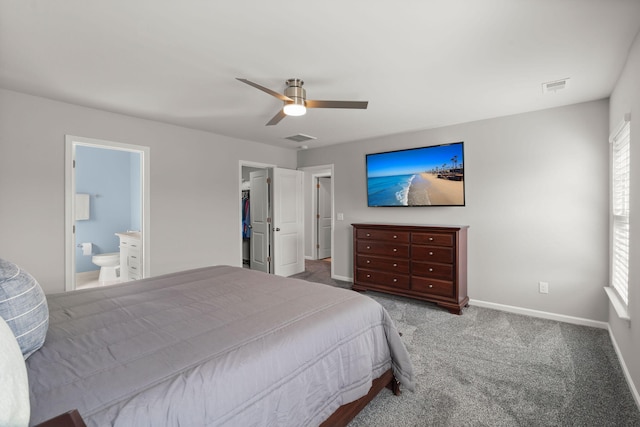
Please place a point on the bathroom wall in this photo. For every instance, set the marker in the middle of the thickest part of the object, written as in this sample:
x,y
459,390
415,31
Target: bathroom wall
x,y
112,179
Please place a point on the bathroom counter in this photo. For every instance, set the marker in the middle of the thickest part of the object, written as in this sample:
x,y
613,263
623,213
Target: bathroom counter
x,y
131,267
132,234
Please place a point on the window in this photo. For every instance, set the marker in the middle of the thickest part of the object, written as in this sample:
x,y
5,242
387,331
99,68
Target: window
x,y
620,168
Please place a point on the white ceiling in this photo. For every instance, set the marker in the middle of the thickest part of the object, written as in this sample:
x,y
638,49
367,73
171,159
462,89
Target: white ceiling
x,y
420,63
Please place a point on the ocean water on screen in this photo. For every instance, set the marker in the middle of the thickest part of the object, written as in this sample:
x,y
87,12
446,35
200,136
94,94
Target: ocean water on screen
x,y
389,190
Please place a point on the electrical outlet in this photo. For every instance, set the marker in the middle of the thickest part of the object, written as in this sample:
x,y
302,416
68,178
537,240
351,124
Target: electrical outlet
x,y
543,287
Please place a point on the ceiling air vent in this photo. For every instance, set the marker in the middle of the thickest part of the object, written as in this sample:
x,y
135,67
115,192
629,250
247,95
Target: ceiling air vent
x,y
555,85
301,137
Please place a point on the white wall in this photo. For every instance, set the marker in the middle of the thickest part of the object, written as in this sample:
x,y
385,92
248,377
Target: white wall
x,y
626,99
536,202
195,206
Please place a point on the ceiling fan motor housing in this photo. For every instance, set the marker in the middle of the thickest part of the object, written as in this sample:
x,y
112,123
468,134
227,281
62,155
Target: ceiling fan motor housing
x,y
295,91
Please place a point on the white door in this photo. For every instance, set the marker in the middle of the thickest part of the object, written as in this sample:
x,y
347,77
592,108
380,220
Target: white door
x,y
260,226
288,224
324,217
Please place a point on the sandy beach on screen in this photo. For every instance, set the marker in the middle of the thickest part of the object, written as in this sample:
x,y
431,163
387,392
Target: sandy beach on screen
x,y
428,189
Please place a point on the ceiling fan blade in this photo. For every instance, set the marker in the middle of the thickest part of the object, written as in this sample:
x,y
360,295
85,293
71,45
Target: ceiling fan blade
x,y
314,103
276,119
266,89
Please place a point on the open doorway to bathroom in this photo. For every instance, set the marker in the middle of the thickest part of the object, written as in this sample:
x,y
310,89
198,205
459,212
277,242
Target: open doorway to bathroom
x,y
106,212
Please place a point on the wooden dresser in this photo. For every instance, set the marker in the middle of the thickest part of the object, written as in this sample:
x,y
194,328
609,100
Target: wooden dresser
x,y
423,262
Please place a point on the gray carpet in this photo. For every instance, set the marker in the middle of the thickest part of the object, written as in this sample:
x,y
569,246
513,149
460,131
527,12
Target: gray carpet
x,y
492,368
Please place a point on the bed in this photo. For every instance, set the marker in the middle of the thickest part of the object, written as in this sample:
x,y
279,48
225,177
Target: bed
x,y
215,346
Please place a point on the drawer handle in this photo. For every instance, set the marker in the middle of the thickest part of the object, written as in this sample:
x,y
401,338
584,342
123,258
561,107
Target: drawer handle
x,y
395,265
133,256
431,239
368,247
395,237
431,269
132,267
368,276
395,250
368,235
368,262
430,253
430,285
395,280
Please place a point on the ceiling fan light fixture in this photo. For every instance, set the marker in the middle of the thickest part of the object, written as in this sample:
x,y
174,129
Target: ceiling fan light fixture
x,y
296,102
295,109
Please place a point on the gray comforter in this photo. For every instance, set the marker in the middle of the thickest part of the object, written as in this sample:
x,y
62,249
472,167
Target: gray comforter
x,y
221,346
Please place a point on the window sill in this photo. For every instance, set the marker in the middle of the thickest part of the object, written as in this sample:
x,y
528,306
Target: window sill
x,y
621,309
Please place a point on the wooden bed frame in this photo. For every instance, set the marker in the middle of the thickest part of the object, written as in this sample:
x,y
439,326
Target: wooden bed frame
x,y
340,418
347,412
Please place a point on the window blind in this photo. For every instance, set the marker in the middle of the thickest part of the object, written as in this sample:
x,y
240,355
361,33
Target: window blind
x,y
620,212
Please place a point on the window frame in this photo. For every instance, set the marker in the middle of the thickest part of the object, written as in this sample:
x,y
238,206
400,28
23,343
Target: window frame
x,y
619,227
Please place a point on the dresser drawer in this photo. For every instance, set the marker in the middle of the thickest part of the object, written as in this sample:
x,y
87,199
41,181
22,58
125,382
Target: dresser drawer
x,y
432,254
391,265
386,235
443,288
374,247
437,239
383,279
431,270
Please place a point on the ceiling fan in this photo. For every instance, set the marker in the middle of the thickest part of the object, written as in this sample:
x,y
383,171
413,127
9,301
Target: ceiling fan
x,y
296,102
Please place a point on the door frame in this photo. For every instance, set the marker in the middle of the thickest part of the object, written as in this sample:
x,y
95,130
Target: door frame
x,y
249,164
316,231
315,172
71,142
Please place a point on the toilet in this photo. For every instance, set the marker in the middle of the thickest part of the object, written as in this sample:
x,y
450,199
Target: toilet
x,y
109,264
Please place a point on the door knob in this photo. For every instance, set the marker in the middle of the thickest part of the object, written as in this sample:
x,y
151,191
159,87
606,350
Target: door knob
x,y
278,229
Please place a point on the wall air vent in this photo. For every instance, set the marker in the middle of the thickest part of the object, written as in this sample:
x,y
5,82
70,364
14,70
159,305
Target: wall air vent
x,y
555,85
301,137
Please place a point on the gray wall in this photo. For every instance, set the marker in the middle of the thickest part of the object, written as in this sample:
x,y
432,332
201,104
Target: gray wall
x,y
536,202
626,99
195,206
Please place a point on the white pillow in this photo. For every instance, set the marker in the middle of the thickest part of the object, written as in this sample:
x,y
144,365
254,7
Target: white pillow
x,y
14,390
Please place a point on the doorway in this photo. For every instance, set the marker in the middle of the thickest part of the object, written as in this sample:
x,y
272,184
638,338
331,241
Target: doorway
x,y
272,219
106,192
319,213
324,226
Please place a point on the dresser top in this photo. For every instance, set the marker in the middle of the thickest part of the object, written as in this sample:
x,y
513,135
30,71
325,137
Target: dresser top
x,y
406,225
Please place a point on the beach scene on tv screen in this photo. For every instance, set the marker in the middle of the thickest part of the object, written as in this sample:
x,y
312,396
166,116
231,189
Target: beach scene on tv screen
x,y
428,176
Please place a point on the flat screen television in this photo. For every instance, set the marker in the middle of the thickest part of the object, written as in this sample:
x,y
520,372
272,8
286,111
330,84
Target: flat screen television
x,y
426,176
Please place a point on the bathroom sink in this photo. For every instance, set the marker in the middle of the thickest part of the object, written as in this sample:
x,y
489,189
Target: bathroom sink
x,y
134,234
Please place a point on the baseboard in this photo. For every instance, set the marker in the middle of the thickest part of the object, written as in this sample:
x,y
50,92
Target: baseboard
x,y
627,375
343,278
540,314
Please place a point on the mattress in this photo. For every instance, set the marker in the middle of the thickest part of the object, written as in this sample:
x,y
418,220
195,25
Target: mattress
x,y
216,346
